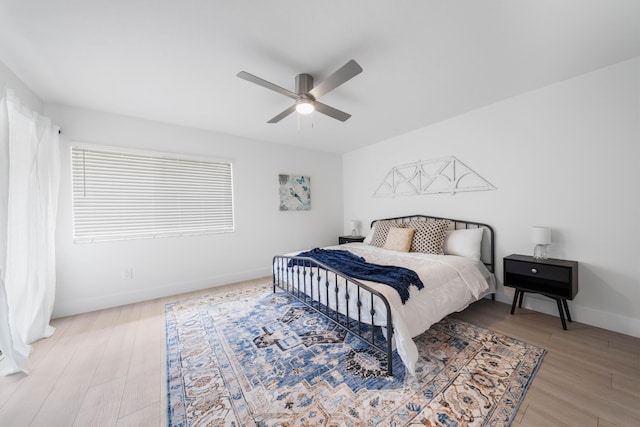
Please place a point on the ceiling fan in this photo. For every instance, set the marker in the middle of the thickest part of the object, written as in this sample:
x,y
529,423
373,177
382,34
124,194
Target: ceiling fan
x,y
306,94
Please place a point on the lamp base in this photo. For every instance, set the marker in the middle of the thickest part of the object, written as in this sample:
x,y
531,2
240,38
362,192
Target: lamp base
x,y
540,252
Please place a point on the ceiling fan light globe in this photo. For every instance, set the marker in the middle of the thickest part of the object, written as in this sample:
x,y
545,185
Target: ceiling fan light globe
x,y
305,106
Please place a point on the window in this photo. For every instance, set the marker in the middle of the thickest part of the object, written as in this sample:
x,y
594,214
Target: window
x,y
121,195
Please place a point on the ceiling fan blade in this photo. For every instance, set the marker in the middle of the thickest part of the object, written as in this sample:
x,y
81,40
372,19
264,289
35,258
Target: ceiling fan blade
x,y
284,114
346,72
331,112
257,80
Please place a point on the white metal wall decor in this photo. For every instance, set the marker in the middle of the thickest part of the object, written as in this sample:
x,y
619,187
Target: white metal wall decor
x,y
445,175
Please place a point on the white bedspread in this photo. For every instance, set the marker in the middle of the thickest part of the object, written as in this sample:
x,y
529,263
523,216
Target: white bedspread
x,y
451,283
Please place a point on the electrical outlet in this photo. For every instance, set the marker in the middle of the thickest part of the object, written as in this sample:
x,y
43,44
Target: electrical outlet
x,y
128,273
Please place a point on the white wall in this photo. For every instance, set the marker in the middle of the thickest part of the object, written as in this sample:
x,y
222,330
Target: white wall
x,y
90,275
566,156
27,96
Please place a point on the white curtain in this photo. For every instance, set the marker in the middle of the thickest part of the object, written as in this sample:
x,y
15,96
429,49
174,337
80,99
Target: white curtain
x,y
29,179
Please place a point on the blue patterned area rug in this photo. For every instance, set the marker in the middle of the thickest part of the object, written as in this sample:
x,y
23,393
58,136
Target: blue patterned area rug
x,y
251,357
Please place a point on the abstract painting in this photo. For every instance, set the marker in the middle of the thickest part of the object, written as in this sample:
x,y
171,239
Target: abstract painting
x,y
295,193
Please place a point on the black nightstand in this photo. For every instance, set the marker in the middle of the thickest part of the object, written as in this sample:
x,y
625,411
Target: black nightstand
x,y
555,278
349,239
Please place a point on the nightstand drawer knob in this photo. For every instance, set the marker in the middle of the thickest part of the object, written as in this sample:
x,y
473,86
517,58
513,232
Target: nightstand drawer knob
x,y
534,270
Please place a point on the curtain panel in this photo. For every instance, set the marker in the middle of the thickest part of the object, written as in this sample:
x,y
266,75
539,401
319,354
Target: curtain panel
x,y
29,179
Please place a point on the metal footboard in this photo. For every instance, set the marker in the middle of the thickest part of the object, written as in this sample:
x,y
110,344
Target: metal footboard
x,y
338,297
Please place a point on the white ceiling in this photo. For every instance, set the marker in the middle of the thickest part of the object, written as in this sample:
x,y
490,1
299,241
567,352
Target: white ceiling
x,y
424,61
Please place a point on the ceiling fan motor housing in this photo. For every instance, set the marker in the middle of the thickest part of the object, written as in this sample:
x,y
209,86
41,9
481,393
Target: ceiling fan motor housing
x,y
304,83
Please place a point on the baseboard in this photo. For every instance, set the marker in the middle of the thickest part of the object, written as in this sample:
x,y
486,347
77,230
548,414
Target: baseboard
x,y
84,305
589,316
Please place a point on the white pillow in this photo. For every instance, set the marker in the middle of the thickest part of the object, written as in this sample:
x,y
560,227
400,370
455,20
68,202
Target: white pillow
x,y
465,242
367,240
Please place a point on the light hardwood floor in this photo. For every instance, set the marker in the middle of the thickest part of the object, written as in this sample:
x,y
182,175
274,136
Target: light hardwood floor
x,y
107,368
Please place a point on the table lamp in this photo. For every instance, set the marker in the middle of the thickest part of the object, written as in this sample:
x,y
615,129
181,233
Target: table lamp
x,y
541,237
354,224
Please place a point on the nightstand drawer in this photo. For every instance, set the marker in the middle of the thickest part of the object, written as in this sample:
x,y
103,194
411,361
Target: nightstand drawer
x,y
538,270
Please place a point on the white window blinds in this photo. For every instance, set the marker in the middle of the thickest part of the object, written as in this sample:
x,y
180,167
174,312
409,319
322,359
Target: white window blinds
x,y
119,195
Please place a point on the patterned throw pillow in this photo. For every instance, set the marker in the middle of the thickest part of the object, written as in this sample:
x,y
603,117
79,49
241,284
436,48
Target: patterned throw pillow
x,y
380,233
399,239
429,236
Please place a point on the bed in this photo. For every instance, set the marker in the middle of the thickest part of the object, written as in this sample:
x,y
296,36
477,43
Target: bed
x,y
462,274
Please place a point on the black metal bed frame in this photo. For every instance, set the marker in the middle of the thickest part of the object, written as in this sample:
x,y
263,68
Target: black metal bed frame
x,y
308,281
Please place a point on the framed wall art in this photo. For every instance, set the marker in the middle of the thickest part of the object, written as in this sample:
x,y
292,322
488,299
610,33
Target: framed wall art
x,y
295,193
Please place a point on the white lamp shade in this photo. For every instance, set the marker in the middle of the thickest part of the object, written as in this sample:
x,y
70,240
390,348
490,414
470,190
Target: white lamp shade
x,y
354,224
541,235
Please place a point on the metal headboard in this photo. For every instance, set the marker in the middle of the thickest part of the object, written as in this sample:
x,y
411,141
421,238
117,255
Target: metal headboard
x,y
487,252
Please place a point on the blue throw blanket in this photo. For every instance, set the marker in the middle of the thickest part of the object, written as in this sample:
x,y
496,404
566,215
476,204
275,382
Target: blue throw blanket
x,y
399,278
